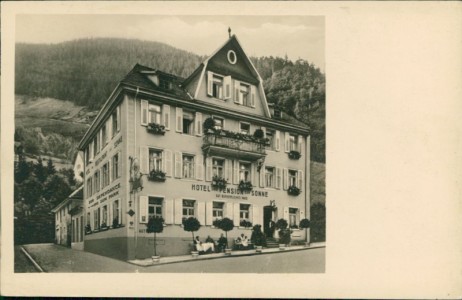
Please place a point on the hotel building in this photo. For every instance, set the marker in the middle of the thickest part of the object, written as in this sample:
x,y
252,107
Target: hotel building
x,y
164,146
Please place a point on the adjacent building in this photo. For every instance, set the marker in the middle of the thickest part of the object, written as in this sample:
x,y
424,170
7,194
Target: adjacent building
x,y
208,146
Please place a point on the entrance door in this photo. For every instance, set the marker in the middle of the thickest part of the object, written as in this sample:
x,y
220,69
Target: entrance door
x,y
267,218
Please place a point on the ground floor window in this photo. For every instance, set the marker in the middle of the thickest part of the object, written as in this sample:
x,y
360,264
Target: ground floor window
x,y
115,212
155,207
218,210
104,217
188,208
293,212
96,217
244,212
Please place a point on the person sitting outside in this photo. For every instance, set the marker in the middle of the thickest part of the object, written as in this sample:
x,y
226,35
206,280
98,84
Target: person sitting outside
x,y
244,242
222,243
198,244
238,243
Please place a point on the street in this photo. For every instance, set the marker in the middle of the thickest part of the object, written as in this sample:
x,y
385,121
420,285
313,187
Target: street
x,y
53,258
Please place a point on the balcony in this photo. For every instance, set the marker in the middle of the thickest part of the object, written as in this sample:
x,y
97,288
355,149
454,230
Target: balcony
x,y
234,145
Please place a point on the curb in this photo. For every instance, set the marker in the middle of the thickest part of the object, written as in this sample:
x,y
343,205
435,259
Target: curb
x,y
236,254
36,265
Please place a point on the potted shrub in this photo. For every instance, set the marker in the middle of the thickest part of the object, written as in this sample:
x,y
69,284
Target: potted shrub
x,y
293,190
157,175
294,154
155,225
245,186
192,224
219,182
284,233
226,225
305,224
258,238
258,134
155,128
209,125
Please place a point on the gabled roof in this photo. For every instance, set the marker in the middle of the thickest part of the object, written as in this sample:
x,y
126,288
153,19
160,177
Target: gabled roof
x,y
75,195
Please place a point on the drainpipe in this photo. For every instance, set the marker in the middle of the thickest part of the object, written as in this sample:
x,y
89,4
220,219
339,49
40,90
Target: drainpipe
x,y
135,198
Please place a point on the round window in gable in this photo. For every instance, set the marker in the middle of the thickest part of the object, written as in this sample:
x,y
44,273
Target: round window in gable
x,y
232,58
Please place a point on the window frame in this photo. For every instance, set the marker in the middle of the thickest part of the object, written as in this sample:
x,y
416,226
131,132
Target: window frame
x,y
157,150
240,127
192,171
115,166
290,176
190,126
241,211
249,164
218,85
218,209
294,215
157,114
155,206
188,208
273,176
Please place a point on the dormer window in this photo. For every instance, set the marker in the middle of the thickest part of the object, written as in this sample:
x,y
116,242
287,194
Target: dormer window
x,y
164,84
217,88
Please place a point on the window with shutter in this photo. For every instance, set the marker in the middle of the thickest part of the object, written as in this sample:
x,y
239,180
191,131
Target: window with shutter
x,y
168,162
277,145
179,119
166,112
208,169
198,126
278,178
228,88
286,142
252,96
199,167
209,83
285,178
178,164
301,180
236,91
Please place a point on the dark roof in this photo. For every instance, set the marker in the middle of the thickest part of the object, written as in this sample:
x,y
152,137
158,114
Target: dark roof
x,y
138,76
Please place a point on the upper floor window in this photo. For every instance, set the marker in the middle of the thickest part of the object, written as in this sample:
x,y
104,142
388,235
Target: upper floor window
x,y
188,122
164,83
97,181
245,128
103,135
155,160
244,95
155,207
89,187
95,145
116,121
292,177
293,142
105,175
218,167
217,87
244,171
188,208
269,177
115,166
188,166
219,123
270,136
154,113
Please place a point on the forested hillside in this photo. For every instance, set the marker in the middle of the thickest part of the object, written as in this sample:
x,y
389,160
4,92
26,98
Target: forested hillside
x,y
86,71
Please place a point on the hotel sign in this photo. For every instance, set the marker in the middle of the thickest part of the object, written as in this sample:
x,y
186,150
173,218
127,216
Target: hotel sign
x,y
229,193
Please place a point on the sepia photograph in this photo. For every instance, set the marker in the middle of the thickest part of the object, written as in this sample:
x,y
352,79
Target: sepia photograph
x,y
155,143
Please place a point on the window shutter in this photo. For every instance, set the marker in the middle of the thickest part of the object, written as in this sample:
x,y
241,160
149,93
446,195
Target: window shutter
x,y
209,213
209,83
236,91
166,111
179,119
198,126
199,160
252,95
169,211
277,147
254,174
178,211
256,219
227,86
264,131
118,118
201,212
236,172
278,178
236,211
287,141
208,169
300,143
178,165
143,209
229,211
109,128
144,160
286,213
300,179
144,112
91,151
262,176
168,161
286,179
229,170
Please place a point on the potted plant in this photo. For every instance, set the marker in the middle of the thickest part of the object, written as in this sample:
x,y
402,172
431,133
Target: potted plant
x,y
284,233
245,223
305,224
155,225
226,225
155,128
258,134
294,154
209,125
156,175
245,186
192,224
104,226
293,190
219,182
258,238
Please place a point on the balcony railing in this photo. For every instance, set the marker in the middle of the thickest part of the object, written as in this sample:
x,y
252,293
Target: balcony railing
x,y
250,148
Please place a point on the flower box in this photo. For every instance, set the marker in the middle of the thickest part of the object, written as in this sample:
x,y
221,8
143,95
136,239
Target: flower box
x,y
155,128
293,190
294,154
219,183
245,223
245,186
157,175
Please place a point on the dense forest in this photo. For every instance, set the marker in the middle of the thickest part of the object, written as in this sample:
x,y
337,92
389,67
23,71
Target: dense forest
x,y
86,71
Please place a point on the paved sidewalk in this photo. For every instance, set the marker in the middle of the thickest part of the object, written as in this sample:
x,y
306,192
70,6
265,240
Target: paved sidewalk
x,y
183,258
